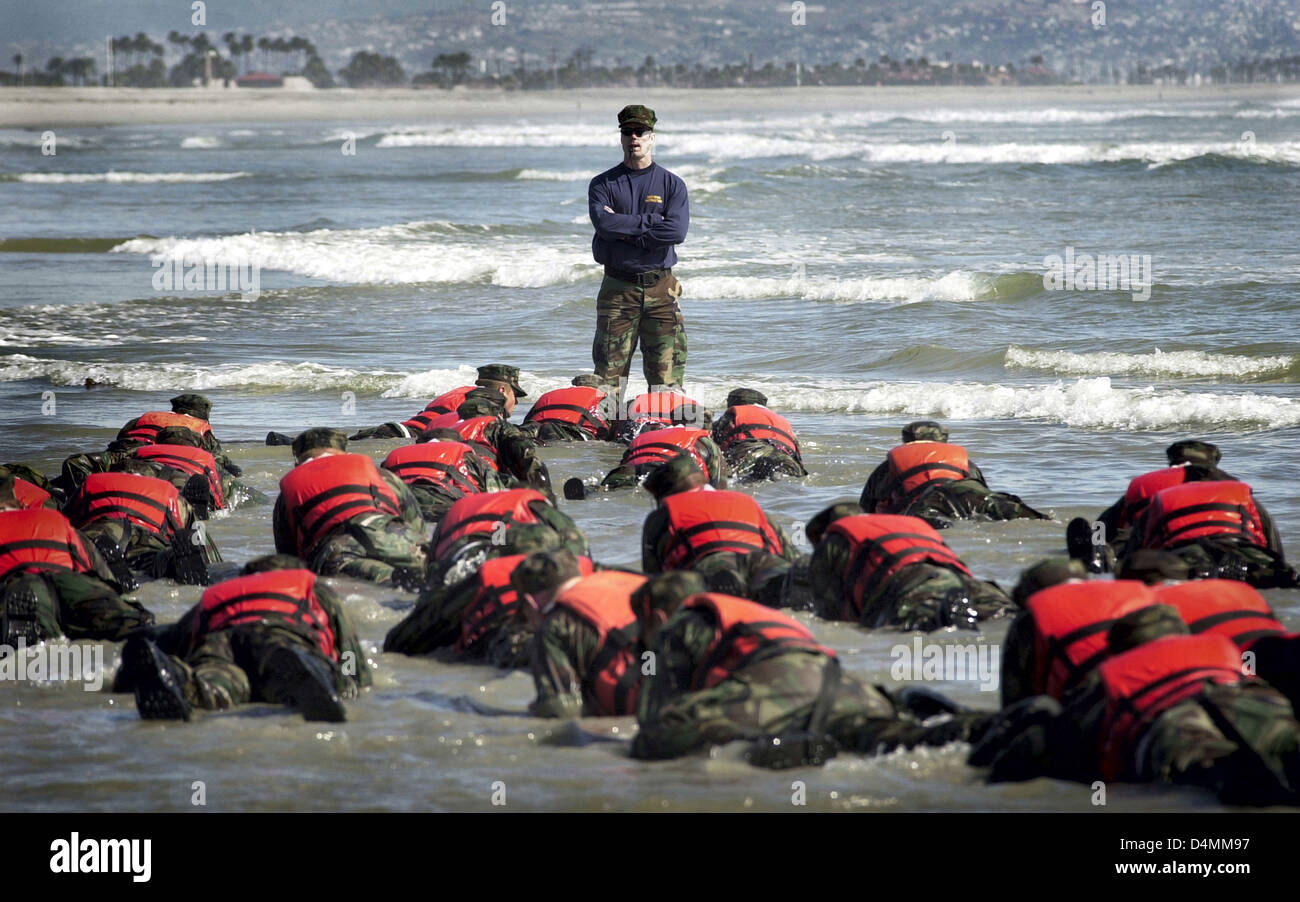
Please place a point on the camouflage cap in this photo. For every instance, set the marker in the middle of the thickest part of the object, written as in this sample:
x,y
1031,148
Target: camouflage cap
x,y
268,562
635,114
22,471
1193,452
815,528
1152,566
544,570
192,404
482,402
741,396
1046,573
587,380
675,475
499,372
924,431
178,435
1145,625
320,437
666,591
7,495
135,467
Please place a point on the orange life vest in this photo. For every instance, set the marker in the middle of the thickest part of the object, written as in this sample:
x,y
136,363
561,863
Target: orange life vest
x,y
1141,489
276,595
437,463
602,599
143,500
28,494
578,405
327,491
750,422
1224,606
147,425
471,432
881,545
662,445
1071,621
743,632
39,539
1194,510
667,407
916,466
1145,681
482,513
194,461
496,598
701,523
443,404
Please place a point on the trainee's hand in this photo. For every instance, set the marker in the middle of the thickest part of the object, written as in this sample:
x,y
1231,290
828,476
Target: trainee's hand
x,y
608,209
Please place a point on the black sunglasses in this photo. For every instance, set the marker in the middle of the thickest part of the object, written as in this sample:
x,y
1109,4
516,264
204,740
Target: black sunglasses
x,y
638,132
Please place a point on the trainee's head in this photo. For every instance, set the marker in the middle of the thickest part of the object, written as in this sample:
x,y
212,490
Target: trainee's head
x,y
924,431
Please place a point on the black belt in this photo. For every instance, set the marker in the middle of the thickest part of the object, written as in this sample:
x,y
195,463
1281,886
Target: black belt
x,y
644,279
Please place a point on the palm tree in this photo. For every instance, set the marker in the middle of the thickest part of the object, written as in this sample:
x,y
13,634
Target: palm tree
x,y
246,49
18,65
263,44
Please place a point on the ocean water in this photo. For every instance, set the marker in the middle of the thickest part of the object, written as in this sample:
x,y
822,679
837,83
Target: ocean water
x,y
861,268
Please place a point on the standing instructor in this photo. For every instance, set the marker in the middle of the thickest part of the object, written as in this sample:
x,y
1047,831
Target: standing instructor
x,y
640,212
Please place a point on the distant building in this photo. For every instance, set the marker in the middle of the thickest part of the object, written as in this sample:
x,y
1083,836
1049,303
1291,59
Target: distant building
x,y
259,80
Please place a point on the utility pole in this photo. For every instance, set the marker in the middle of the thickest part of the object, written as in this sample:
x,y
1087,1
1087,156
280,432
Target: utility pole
x,y
108,70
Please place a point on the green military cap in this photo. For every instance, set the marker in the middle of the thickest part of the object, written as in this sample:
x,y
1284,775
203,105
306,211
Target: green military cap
x,y
499,372
635,114
1193,452
7,495
1152,566
742,396
268,562
666,591
1145,625
544,570
136,467
673,476
320,437
178,435
1046,573
192,405
482,402
587,380
924,431
815,528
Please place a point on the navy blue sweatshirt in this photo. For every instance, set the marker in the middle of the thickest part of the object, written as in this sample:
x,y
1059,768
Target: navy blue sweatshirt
x,y
651,215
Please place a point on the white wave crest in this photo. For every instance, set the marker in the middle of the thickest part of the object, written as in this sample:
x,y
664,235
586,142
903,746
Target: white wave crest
x,y
200,142
1085,403
402,254
1158,364
274,374
955,286
126,177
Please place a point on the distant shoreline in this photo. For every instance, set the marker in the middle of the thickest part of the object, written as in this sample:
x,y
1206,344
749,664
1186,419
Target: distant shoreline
x,y
39,108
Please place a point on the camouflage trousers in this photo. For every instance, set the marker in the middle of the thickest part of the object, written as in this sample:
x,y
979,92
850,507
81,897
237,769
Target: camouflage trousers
x,y
39,606
434,503
146,553
927,597
371,547
968,499
232,667
755,461
1243,742
1259,567
758,576
626,313
794,693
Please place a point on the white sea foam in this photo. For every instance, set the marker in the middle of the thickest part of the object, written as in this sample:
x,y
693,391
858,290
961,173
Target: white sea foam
x,y
111,177
1085,403
1158,364
401,254
274,374
954,286
200,142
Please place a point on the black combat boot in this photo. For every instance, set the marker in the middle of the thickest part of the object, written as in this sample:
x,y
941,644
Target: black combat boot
x,y
302,680
159,683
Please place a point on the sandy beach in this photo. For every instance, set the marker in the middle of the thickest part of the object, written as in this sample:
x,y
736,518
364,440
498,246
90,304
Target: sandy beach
x,y
38,108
